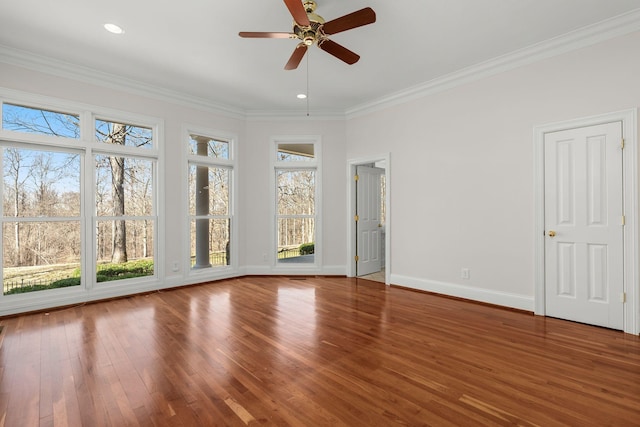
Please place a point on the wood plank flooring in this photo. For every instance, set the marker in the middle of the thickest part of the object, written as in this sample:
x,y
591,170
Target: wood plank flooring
x,y
313,352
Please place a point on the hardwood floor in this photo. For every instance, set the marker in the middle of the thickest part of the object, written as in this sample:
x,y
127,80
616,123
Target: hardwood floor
x,y
378,276
314,352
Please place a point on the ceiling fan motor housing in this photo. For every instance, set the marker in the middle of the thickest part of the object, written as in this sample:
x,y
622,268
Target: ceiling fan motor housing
x,y
309,35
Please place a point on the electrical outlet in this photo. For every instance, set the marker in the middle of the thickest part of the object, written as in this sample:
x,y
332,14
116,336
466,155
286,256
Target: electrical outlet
x,y
465,273
175,266
264,256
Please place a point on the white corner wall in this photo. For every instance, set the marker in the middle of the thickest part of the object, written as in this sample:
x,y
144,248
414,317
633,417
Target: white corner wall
x,y
256,196
462,191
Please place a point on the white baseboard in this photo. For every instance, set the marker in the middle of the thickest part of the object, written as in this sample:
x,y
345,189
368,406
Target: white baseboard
x,y
262,270
521,302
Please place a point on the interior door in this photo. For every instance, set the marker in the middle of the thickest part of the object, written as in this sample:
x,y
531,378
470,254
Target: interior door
x,y
368,224
584,225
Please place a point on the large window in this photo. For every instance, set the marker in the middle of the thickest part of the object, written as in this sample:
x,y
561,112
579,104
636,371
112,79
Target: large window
x,y
66,191
125,222
41,219
296,202
210,176
124,205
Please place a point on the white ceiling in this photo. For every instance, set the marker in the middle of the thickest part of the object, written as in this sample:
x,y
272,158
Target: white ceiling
x,y
191,47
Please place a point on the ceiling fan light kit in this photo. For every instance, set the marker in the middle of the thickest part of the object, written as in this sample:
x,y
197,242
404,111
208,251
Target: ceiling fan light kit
x,y
311,28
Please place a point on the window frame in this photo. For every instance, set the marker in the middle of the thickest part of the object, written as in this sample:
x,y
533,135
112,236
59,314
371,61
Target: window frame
x,y
230,164
277,165
152,154
87,147
80,218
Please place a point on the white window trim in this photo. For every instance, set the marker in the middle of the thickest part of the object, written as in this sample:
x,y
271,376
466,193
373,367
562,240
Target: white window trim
x,y
316,164
87,147
184,265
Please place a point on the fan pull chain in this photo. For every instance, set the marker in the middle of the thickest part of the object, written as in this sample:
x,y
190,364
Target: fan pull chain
x,y
308,54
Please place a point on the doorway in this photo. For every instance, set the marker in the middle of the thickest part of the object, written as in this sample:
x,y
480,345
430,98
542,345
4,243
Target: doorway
x,y
586,215
368,219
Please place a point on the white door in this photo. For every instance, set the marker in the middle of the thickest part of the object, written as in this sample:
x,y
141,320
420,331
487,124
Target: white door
x,y
368,226
584,225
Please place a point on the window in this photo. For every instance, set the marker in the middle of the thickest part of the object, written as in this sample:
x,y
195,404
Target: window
x,y
39,121
41,219
296,202
296,153
125,188
208,147
63,194
210,176
125,222
124,134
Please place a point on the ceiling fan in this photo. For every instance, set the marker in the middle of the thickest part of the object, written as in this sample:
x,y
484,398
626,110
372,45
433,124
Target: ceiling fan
x,y
312,28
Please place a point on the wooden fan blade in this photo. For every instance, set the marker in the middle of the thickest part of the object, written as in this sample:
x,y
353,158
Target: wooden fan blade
x,y
339,51
297,11
353,20
296,57
265,35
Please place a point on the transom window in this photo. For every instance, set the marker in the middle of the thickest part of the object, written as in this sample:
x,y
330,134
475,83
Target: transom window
x,y
124,134
40,121
302,152
214,148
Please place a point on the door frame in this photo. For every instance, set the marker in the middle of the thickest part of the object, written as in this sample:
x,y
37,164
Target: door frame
x,y
351,211
630,194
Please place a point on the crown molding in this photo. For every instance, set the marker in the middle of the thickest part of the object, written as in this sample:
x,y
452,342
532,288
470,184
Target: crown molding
x,y
293,115
48,65
586,36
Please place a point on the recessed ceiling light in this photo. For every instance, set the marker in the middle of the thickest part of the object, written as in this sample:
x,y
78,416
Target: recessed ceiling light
x,y
113,28
301,96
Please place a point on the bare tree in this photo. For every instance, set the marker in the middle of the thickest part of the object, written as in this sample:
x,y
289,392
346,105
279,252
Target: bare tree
x,y
119,254
17,173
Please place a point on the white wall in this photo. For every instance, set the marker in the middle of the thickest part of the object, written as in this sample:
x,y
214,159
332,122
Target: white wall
x,y
256,200
462,181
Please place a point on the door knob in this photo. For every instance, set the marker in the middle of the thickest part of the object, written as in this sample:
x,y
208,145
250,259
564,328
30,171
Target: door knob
x,y
552,233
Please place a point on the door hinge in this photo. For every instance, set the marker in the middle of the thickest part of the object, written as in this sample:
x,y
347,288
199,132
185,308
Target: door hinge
x,y
356,177
357,258
622,144
623,297
624,220
356,218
